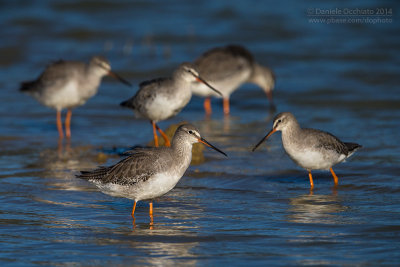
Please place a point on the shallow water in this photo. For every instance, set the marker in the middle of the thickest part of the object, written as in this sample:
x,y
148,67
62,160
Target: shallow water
x,y
252,208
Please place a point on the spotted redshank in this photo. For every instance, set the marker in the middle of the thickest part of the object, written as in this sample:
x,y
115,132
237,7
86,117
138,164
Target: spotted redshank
x,y
68,84
149,172
227,68
310,148
163,98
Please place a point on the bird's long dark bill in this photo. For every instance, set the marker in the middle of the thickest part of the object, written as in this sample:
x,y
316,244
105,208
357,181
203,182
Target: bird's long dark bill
x,y
204,141
265,138
199,79
119,78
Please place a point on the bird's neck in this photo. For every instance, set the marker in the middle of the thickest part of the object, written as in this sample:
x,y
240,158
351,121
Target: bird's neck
x,y
182,92
94,73
182,85
255,75
262,77
182,149
291,132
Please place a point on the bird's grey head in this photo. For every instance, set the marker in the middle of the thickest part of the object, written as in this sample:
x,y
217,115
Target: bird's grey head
x,y
100,64
189,132
283,120
186,71
263,77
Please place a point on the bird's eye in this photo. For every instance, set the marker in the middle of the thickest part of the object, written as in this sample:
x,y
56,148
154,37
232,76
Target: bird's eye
x,y
190,131
279,121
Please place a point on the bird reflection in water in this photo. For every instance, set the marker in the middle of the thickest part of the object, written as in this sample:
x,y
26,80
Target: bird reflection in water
x,y
62,164
60,146
165,245
316,208
180,206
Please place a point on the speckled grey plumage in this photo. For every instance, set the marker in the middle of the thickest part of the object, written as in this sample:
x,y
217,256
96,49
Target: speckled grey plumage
x,y
230,66
148,172
228,61
163,98
60,74
311,149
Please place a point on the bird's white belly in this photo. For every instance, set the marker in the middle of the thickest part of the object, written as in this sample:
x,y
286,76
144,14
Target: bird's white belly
x,y
311,159
155,186
163,107
62,97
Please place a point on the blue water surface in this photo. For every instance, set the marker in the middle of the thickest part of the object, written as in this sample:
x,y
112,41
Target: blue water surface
x,y
249,209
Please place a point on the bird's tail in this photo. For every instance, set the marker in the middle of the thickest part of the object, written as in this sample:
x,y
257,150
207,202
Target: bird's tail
x,y
27,86
93,175
128,103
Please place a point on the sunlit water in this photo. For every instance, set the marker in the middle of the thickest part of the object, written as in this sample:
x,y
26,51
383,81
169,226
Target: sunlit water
x,y
250,208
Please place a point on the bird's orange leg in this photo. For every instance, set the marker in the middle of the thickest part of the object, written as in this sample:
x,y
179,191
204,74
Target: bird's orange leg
x,y
68,124
207,106
151,215
133,210
155,134
311,180
151,209
59,125
335,178
226,106
166,140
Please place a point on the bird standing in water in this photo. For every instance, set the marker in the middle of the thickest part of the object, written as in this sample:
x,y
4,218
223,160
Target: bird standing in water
x,y
227,68
149,172
310,148
69,84
163,98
